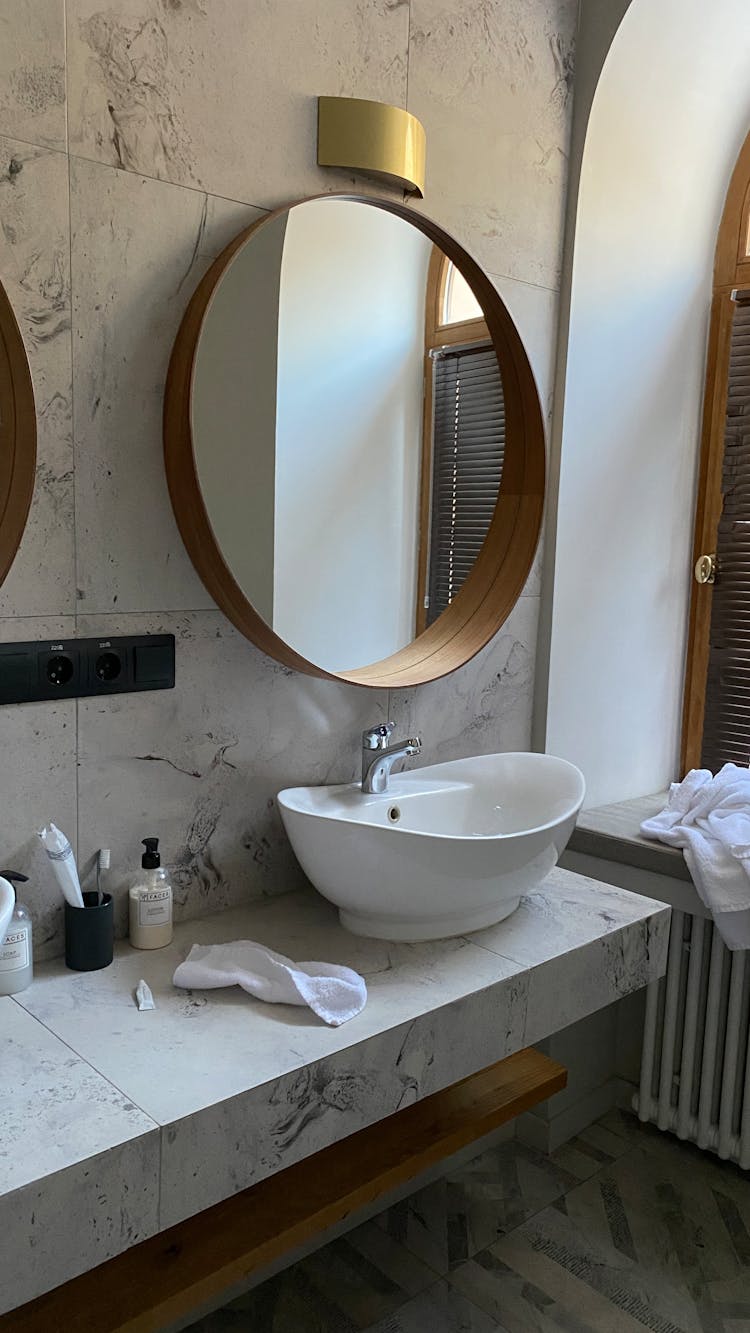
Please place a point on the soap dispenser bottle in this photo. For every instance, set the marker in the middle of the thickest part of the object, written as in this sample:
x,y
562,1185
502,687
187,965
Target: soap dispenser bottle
x,y
151,902
16,949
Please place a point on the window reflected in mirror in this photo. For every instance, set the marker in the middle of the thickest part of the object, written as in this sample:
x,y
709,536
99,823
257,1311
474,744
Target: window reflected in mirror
x,y
463,442
459,302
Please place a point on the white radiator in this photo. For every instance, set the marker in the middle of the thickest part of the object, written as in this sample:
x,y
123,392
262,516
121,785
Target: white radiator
x,y
695,1069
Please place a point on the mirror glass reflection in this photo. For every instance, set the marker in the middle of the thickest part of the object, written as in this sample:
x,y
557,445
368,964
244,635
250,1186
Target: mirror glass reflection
x,y
348,428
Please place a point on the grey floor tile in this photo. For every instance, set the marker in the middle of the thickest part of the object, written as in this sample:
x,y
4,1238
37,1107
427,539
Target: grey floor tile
x,y
343,1288
625,1124
517,1289
454,1218
622,1230
441,1309
660,1240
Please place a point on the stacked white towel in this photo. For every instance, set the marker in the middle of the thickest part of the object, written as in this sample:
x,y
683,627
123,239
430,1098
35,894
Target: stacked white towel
x,y
334,993
709,818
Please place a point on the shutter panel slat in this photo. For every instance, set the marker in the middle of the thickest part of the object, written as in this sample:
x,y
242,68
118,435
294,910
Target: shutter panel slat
x,y
468,452
726,729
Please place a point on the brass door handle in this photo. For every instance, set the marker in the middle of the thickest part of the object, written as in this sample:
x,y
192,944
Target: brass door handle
x,y
705,569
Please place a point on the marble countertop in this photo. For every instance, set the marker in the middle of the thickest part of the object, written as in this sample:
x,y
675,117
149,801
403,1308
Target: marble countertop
x,y
125,1123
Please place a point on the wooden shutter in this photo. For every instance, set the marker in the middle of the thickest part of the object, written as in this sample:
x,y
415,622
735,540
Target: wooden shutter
x,y
467,464
726,728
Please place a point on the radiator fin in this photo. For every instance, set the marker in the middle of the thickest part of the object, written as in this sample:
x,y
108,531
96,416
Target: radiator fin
x,y
695,1068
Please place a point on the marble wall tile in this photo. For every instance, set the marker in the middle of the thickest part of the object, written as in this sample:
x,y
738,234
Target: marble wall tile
x,y
38,744
492,83
222,96
139,248
486,705
32,72
200,765
535,313
35,271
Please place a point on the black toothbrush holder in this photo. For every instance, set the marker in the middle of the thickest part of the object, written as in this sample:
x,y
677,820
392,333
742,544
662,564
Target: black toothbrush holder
x,y
89,933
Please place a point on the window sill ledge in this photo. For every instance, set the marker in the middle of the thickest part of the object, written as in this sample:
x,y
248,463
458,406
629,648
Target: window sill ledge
x,y
612,833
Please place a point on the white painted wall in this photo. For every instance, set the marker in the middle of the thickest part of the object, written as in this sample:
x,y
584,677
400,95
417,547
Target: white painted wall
x,y
668,118
348,432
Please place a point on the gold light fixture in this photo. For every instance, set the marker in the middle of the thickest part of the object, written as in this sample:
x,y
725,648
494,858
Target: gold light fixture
x,y
372,137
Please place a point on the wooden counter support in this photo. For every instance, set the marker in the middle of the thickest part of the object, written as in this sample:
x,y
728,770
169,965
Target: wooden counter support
x,y
167,1277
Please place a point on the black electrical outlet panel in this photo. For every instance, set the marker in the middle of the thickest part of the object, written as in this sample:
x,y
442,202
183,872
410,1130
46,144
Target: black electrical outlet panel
x,y
71,668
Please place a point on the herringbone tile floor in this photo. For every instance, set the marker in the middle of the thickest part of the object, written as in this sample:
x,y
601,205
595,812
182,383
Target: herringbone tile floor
x,y
620,1231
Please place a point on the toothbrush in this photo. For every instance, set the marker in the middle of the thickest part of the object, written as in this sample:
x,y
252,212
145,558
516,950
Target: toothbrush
x,y
102,863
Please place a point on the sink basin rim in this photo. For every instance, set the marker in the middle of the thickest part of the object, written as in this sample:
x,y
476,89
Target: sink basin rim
x,y
408,783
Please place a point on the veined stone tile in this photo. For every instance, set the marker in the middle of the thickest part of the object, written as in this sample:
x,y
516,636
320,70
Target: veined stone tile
x,y
496,179
200,765
223,97
485,706
535,313
32,72
284,1057
565,908
139,250
35,272
79,1163
39,785
355,1087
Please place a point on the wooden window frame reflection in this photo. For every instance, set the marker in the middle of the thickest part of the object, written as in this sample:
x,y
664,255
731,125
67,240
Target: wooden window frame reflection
x,y
436,334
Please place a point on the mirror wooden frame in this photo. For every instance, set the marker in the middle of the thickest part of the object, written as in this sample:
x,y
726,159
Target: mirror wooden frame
x,y
498,577
17,436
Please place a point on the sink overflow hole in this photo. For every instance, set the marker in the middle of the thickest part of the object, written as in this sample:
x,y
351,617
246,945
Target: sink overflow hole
x,y
394,814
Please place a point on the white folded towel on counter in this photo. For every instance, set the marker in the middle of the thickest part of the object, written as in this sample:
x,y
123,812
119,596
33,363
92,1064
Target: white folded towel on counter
x,y
334,993
709,818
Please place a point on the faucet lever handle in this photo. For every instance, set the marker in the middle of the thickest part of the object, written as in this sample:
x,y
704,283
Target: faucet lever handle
x,y
376,738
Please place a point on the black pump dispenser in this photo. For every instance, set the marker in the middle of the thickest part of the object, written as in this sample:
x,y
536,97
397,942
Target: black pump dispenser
x,y
151,859
14,877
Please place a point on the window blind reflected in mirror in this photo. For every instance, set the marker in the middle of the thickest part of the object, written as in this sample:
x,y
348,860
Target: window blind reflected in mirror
x,y
468,452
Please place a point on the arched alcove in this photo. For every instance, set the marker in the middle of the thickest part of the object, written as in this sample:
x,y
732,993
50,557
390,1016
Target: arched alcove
x,y
669,115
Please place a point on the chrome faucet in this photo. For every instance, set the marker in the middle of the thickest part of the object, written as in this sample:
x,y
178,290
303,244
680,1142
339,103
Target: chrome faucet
x,y
378,756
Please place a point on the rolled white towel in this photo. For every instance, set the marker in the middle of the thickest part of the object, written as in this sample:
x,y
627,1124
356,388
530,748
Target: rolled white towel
x,y
334,993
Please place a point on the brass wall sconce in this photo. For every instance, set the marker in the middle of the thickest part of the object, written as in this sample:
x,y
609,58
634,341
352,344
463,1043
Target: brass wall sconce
x,y
372,137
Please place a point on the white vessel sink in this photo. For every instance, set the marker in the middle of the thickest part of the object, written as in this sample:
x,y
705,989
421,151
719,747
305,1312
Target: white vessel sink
x,y
449,848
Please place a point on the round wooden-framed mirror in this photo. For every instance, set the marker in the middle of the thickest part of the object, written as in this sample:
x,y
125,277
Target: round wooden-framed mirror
x,y
17,436
354,443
